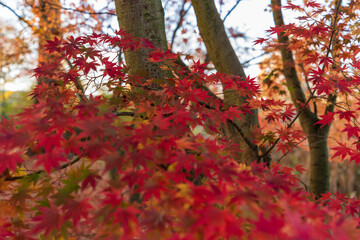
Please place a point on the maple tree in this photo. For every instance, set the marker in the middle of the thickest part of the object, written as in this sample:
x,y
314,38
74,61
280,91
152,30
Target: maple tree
x,y
129,165
321,65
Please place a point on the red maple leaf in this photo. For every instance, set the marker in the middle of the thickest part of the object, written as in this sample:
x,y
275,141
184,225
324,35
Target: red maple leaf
x,y
299,168
346,114
48,219
260,40
77,209
326,119
351,130
342,150
355,156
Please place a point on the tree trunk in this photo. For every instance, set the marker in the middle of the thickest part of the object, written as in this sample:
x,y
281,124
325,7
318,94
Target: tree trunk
x,y
317,137
143,19
224,58
49,28
319,168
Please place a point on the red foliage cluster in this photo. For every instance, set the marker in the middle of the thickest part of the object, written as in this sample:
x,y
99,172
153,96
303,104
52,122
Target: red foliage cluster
x,y
130,165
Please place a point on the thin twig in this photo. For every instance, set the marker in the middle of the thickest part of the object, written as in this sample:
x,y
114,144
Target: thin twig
x,y
78,83
11,178
17,15
256,57
278,161
122,114
232,9
307,188
81,11
183,12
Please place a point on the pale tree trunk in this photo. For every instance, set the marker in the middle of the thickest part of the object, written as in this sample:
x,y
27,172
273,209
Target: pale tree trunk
x,y
143,19
49,28
317,136
224,58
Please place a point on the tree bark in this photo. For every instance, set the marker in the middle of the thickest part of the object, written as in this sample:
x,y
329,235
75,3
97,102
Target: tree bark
x,y
319,166
317,137
49,28
224,58
143,19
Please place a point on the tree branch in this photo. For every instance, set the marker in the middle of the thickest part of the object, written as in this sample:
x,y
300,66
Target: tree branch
x,y
231,10
81,11
11,178
17,15
183,12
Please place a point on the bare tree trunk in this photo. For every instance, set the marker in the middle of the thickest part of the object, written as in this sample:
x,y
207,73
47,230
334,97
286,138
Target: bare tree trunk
x,y
223,56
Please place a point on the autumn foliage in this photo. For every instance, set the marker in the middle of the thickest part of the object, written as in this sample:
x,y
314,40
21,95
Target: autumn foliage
x,y
129,164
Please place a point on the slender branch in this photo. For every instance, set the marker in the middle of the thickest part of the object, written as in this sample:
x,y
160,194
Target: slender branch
x,y
290,124
78,84
166,4
183,12
11,178
17,15
256,57
332,98
301,65
128,114
248,141
278,161
81,11
307,188
231,10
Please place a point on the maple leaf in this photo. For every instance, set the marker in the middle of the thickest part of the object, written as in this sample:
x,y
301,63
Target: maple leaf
x,y
343,86
51,159
91,180
346,114
299,168
184,144
10,160
284,134
77,209
276,30
342,150
260,41
351,130
292,7
312,4
352,206
326,119
267,227
128,218
233,112
48,219
289,113
355,156
326,196
284,147
52,46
